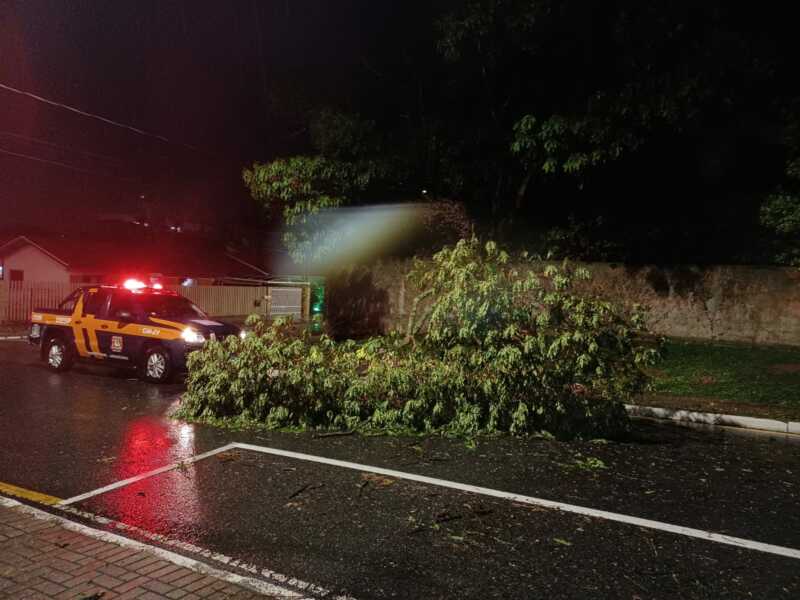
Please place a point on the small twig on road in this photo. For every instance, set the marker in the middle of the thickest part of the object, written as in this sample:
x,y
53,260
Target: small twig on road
x,y
362,485
636,583
653,546
228,456
332,434
480,511
299,491
304,488
497,539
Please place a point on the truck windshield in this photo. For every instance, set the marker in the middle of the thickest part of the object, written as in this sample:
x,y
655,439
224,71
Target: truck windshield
x,y
169,307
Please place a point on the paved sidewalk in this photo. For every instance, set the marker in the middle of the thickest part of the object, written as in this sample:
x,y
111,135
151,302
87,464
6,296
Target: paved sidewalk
x,y
42,559
13,332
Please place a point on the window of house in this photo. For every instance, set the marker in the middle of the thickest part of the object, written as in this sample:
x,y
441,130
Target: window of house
x,y
1,271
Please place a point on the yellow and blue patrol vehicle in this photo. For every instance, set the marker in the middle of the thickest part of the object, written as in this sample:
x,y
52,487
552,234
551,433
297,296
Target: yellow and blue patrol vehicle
x,y
145,327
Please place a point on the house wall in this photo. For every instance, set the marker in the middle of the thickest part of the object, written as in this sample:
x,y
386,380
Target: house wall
x,y
36,266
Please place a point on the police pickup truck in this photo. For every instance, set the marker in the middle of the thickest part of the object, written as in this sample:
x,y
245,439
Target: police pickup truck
x,y
149,328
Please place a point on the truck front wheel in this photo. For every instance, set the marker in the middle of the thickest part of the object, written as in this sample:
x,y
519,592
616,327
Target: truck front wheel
x,y
58,355
156,365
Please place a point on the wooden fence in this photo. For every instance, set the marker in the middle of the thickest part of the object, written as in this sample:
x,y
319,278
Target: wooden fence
x,y
19,298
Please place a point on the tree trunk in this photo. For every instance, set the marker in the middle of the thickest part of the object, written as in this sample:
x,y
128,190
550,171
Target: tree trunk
x,y
523,188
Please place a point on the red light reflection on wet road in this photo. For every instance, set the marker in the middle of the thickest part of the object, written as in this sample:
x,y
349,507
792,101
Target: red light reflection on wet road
x,y
153,503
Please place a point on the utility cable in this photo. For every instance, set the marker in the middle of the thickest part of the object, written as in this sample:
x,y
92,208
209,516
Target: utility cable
x,y
94,116
59,147
64,165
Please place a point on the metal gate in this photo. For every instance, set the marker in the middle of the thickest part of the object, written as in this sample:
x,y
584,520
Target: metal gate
x,y
286,301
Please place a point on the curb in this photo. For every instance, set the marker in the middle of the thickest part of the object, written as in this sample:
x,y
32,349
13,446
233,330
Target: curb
x,y
6,338
713,419
193,564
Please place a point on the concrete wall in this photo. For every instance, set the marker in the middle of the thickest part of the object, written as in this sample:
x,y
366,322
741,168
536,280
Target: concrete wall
x,y
758,305
37,266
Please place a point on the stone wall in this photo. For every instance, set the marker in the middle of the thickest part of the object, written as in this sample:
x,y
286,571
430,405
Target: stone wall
x,y
759,305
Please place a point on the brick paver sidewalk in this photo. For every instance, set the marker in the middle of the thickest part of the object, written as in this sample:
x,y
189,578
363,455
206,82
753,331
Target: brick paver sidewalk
x,y
42,559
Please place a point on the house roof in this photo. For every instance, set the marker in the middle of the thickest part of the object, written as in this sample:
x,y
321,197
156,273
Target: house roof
x,y
177,256
18,242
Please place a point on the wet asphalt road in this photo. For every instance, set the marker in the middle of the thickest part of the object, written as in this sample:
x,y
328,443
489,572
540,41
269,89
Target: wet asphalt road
x,y
380,538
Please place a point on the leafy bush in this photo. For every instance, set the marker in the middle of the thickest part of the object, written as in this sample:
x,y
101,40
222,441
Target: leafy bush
x,y
490,346
550,356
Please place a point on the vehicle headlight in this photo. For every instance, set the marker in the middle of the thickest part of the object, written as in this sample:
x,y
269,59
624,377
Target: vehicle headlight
x,y
35,328
192,336
242,334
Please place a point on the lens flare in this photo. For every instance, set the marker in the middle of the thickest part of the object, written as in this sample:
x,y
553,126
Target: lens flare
x,y
338,237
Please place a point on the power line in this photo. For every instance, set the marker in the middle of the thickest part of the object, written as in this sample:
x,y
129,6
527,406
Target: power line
x,y
59,147
64,165
94,116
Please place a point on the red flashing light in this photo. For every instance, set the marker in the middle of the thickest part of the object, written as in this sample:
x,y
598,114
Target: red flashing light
x,y
133,284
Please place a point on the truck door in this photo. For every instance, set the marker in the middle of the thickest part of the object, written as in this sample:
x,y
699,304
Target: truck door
x,y
94,313
79,335
118,339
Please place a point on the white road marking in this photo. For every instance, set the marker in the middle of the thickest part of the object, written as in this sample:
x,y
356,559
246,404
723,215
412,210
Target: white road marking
x,y
141,476
257,585
297,584
570,508
709,536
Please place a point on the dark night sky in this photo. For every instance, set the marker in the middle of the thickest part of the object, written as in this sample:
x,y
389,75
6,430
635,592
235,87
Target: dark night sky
x,y
229,83
227,78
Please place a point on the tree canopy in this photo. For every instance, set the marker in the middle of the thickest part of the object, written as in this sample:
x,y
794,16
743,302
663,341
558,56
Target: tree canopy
x,y
661,131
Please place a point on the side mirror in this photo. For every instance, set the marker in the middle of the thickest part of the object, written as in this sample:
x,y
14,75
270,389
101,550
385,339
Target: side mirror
x,y
123,316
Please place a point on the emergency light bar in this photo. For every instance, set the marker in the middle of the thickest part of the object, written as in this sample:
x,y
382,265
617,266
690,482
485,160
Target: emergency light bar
x,y
133,284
